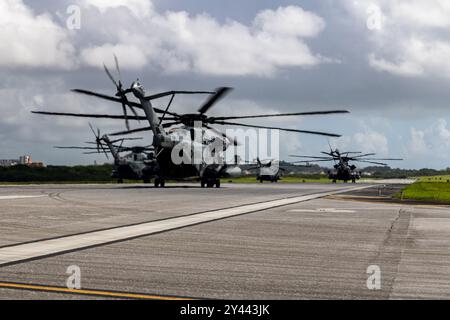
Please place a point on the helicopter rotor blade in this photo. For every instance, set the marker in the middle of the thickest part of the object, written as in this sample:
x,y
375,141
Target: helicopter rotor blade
x,y
364,155
118,70
169,93
87,115
169,124
282,115
131,131
388,159
110,76
328,154
124,109
127,139
232,140
77,148
119,100
167,109
372,162
306,161
310,157
92,129
104,151
277,128
219,94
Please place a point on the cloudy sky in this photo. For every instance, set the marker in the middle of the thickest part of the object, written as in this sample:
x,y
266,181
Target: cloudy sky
x,y
386,61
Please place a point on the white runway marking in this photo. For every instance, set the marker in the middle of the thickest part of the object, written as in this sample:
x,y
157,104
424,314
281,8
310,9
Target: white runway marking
x,y
44,248
20,197
327,210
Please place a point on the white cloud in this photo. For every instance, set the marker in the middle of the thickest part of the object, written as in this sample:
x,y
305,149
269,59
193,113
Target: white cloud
x,y
140,8
173,41
372,142
29,40
178,41
131,57
289,21
413,38
367,141
417,144
433,140
402,68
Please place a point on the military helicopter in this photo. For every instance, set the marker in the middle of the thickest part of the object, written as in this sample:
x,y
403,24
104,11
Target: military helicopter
x,y
268,170
136,164
342,169
196,135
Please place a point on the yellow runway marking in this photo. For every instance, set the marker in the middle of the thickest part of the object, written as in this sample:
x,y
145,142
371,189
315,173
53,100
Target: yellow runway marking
x,y
124,295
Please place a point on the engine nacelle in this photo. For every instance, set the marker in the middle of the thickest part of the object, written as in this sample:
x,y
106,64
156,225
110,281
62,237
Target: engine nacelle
x,y
233,172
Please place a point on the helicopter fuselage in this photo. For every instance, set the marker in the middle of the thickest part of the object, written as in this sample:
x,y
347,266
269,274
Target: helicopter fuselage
x,y
344,172
196,153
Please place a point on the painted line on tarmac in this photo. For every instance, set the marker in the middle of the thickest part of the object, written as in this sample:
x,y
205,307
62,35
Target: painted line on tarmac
x,y
39,249
86,292
20,197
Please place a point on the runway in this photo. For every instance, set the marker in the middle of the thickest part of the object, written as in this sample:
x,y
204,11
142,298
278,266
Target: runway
x,y
255,241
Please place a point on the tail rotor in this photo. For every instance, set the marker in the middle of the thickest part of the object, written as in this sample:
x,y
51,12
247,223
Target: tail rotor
x,y
121,93
99,140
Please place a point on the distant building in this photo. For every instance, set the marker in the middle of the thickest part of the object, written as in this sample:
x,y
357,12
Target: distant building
x,y
8,163
37,165
26,160
23,160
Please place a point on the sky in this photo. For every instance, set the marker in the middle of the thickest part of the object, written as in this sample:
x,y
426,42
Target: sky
x,y
385,61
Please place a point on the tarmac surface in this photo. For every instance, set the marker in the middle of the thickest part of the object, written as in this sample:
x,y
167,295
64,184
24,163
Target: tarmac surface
x,y
248,241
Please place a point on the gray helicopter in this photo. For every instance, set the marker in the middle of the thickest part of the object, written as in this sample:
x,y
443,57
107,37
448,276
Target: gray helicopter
x,y
342,169
194,136
136,164
268,170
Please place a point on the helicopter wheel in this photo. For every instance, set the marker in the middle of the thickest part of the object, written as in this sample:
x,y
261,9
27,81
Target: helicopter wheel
x,y
353,181
120,181
334,181
160,183
217,183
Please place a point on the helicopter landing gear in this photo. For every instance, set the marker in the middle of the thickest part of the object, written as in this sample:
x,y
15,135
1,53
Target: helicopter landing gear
x,y
334,181
160,183
120,181
353,180
210,183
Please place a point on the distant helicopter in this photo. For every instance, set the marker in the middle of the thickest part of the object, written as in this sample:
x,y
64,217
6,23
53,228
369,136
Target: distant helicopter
x,y
342,169
136,164
268,170
187,137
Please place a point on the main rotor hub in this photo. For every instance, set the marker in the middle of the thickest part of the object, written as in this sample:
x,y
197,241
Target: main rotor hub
x,y
190,118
